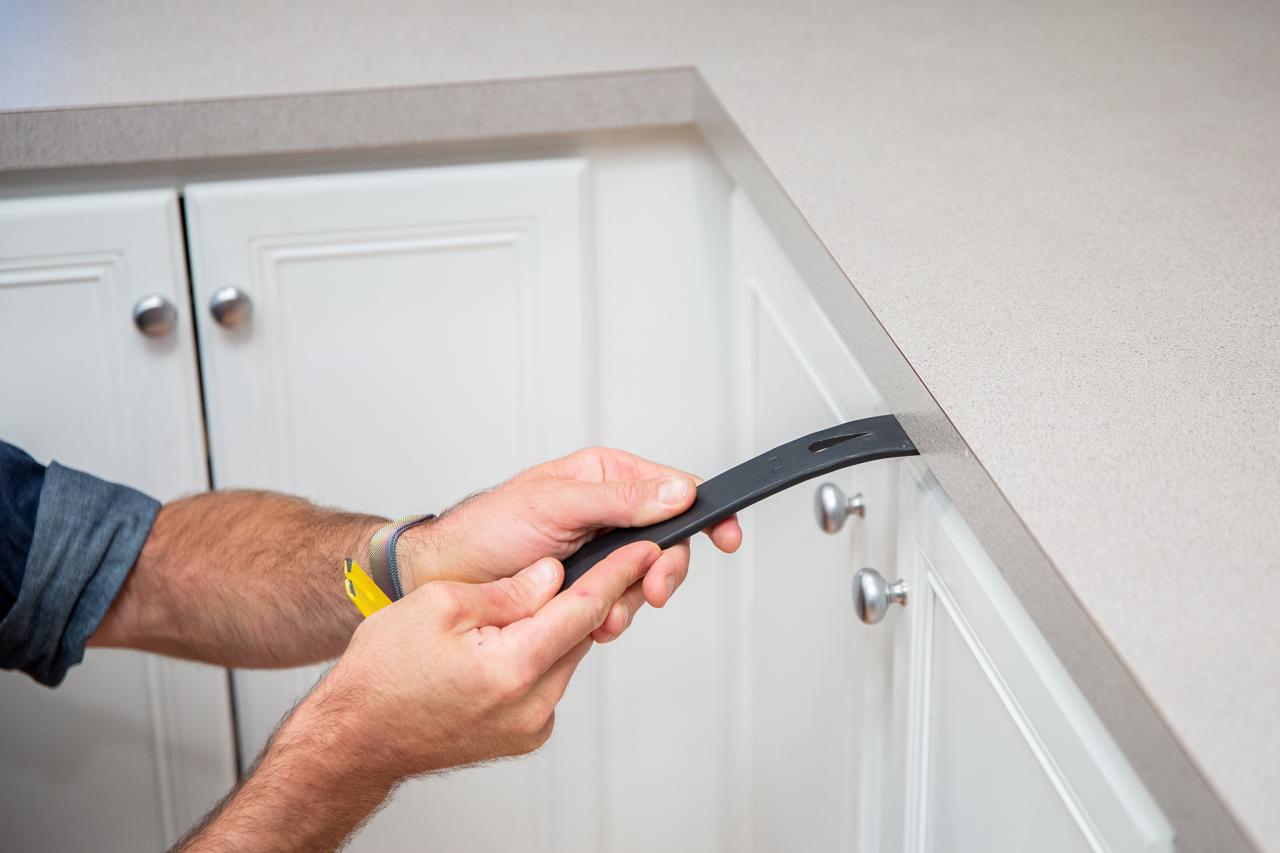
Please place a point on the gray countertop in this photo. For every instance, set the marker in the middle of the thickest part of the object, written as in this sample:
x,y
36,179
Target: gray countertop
x,y
1066,219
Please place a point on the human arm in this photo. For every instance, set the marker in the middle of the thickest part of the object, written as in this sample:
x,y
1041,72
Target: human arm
x,y
452,674
248,579
241,578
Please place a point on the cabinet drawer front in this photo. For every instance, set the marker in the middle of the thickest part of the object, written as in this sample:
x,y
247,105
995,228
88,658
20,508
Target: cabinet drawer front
x,y
1006,753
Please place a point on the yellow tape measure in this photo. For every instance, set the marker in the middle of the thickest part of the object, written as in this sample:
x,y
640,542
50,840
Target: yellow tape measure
x,y
363,592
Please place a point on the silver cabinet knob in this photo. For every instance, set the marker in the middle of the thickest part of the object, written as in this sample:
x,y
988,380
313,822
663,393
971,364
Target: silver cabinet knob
x,y
831,507
231,307
155,316
872,595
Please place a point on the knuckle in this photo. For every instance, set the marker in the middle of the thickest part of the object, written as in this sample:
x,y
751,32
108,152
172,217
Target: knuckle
x,y
595,453
447,602
508,591
510,682
593,603
506,688
535,729
631,494
525,675
544,732
535,717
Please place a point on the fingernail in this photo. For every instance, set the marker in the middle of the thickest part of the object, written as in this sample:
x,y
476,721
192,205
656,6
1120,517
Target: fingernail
x,y
671,586
544,572
626,614
673,490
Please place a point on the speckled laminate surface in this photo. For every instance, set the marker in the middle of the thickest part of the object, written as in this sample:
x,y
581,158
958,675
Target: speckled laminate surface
x,y
1066,218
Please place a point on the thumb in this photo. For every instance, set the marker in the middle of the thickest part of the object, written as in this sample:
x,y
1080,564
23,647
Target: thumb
x,y
508,600
628,503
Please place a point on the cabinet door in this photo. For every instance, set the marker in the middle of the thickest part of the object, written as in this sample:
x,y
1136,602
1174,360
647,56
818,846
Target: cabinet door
x,y
1005,754
818,678
416,335
131,749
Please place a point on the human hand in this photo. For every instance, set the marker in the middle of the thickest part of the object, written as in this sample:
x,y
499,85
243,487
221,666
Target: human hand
x,y
552,510
456,673
452,674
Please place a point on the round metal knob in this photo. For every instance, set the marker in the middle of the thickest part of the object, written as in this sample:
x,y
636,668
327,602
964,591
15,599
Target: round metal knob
x,y
831,507
155,316
872,595
231,307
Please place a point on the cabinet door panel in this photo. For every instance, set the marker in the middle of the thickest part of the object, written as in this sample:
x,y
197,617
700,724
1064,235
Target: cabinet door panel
x,y
817,673
427,371
1006,754
948,726
987,790
416,335
131,749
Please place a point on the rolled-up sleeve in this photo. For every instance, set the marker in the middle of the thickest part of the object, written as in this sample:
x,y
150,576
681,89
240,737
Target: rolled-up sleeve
x,y
84,538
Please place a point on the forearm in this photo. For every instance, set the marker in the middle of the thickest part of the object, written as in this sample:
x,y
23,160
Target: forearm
x,y
452,674
310,789
241,578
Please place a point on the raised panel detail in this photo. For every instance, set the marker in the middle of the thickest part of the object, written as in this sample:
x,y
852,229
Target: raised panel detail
x,y
1004,752
57,304
991,786
444,321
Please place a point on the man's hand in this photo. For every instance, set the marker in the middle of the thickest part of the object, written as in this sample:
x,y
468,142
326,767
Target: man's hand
x,y
552,510
452,674
491,659
252,579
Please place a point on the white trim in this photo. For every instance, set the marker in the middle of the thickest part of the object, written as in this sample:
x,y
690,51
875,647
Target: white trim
x,y
941,594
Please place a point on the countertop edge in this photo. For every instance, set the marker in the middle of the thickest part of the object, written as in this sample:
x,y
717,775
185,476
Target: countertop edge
x,y
73,137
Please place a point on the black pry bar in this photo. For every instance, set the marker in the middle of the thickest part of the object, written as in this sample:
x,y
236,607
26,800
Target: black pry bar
x,y
865,440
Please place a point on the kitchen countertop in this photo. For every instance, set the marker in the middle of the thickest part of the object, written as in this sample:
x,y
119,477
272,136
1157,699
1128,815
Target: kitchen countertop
x,y
1065,218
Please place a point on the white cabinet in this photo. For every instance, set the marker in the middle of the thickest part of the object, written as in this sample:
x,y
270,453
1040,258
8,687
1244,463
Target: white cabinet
x,y
135,747
415,335
950,725
1004,754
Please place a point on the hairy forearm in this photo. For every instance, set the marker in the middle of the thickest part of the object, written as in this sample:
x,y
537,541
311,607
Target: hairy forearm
x,y
310,789
241,578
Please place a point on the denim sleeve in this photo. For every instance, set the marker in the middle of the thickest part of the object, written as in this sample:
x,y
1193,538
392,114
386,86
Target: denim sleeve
x,y
85,536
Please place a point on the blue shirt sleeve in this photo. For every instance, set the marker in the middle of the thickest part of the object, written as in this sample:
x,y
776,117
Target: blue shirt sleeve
x,y
21,479
67,543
